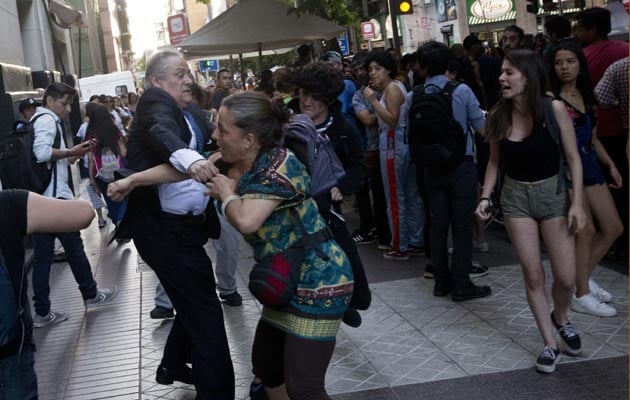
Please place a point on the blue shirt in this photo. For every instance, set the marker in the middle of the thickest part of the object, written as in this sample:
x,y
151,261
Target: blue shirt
x,y
345,97
466,110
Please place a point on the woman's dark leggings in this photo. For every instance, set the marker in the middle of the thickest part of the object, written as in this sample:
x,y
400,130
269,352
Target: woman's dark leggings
x,y
299,363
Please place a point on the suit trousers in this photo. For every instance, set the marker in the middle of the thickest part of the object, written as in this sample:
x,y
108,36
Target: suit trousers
x,y
452,202
173,247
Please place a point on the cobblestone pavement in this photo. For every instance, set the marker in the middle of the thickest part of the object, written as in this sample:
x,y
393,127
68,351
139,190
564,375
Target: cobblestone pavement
x,y
411,345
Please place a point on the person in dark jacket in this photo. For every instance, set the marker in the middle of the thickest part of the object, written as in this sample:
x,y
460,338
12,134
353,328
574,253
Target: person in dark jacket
x,y
320,84
171,222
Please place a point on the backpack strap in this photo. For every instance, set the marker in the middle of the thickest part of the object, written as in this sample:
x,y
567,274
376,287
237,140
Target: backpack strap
x,y
311,240
554,130
448,90
56,145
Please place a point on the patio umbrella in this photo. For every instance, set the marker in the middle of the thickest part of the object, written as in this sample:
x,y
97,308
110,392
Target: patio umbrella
x,y
256,25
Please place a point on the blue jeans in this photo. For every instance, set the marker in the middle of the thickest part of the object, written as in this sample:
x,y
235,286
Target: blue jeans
x,y
17,377
227,248
44,244
115,210
452,201
404,209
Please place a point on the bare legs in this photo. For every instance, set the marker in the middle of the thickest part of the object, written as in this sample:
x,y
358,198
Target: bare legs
x,y
592,245
524,234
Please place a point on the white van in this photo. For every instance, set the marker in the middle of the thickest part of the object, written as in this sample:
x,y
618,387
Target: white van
x,y
114,84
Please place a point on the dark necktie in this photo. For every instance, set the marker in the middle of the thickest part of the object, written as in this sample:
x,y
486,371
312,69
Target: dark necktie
x,y
198,134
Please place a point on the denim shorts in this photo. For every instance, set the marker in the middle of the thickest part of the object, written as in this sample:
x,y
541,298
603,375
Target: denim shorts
x,y
536,200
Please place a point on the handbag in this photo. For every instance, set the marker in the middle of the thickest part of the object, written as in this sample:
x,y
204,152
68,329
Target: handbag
x,y
273,280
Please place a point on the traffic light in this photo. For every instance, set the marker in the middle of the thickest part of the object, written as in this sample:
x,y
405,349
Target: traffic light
x,y
532,6
403,7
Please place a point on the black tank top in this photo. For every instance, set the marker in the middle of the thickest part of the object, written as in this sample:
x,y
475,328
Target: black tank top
x,y
533,159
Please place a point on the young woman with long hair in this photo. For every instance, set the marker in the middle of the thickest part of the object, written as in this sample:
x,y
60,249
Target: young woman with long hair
x,y
571,85
106,156
533,200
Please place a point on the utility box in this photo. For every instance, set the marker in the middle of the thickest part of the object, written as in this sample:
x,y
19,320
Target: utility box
x,y
41,79
16,84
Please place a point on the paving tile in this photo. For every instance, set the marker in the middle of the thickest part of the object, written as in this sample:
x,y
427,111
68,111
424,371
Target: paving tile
x,y
411,344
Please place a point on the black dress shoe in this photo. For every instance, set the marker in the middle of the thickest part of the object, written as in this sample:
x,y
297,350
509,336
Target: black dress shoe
x,y
441,289
352,318
232,299
257,391
160,312
471,291
165,376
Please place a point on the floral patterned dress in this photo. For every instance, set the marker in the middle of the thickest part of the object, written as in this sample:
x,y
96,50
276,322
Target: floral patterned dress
x,y
325,285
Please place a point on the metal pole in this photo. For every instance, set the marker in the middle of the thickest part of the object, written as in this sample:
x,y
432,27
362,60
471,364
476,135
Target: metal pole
x,y
80,46
243,72
260,60
393,17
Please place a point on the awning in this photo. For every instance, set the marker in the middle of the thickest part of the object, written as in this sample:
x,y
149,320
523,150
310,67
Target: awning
x,y
65,16
472,20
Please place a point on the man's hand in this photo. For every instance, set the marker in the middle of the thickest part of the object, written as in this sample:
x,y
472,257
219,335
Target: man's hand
x,y
118,190
202,170
336,194
81,149
220,187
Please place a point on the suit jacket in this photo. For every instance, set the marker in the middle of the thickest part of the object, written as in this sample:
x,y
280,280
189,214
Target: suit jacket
x,y
159,128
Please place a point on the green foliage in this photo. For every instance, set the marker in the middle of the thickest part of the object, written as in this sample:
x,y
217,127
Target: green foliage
x,y
343,12
287,59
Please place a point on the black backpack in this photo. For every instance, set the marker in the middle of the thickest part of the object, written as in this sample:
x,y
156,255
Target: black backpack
x,y
19,168
435,138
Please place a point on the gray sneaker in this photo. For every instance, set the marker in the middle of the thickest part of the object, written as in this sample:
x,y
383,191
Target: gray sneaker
x,y
103,295
52,317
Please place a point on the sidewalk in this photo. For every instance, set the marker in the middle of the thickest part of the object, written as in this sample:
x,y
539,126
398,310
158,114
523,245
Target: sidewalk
x,y
411,345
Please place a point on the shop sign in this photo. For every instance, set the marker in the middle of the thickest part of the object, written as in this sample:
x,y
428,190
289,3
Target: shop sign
x,y
177,28
490,9
367,30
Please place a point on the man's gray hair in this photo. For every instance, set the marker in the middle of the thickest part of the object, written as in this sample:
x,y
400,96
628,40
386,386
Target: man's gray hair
x,y
157,64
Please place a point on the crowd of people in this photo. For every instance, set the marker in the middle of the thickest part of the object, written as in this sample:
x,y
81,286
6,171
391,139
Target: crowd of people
x,y
545,148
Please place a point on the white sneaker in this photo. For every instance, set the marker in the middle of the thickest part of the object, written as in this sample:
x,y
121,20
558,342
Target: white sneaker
x,y
599,292
52,317
102,296
588,304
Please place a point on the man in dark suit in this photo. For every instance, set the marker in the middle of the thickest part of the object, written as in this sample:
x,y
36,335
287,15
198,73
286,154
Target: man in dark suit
x,y
169,224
